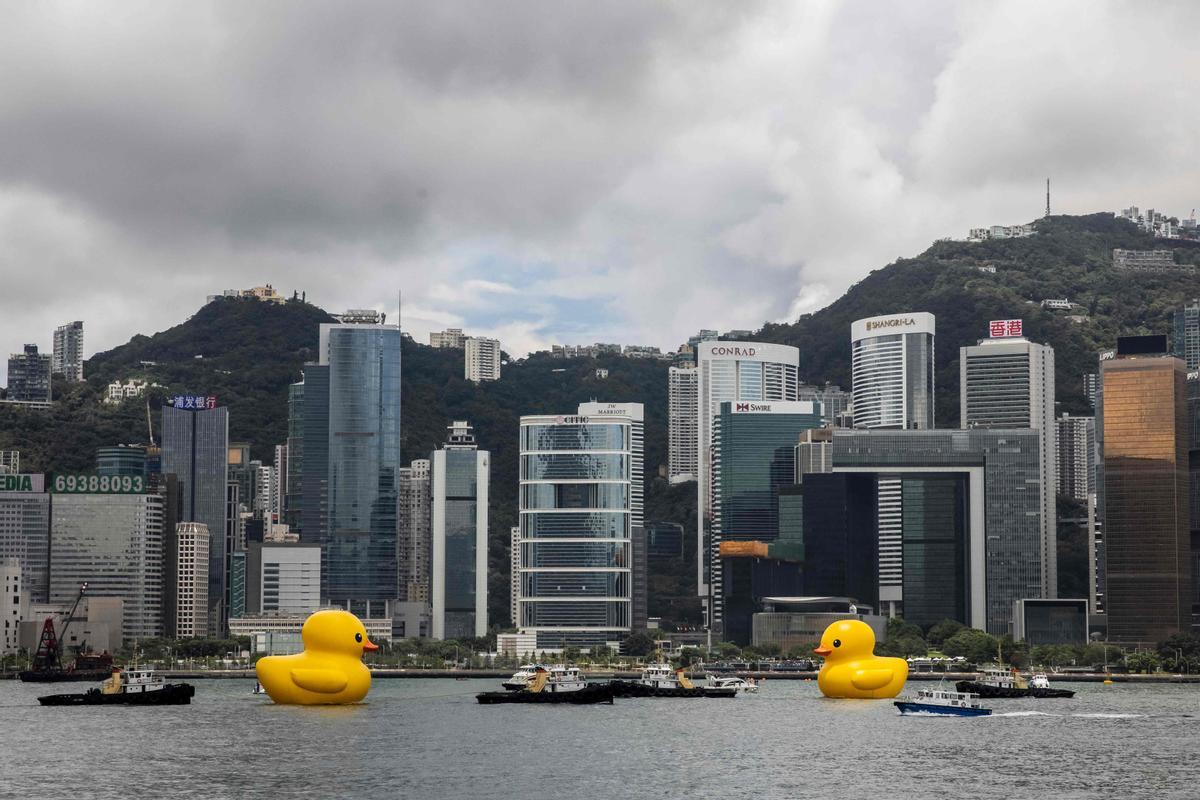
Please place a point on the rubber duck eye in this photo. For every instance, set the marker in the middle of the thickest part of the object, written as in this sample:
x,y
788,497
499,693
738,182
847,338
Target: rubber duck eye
x,y
837,642
358,637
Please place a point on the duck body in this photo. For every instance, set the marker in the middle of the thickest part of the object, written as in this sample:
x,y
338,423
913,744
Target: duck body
x,y
330,671
852,670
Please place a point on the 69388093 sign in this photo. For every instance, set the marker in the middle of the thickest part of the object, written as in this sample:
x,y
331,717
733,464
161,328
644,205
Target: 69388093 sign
x,y
98,484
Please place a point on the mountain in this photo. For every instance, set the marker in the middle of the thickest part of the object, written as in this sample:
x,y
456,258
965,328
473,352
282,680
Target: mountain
x,y
247,352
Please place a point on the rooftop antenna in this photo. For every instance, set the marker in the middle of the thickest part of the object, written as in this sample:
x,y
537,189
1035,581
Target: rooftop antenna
x,y
1047,198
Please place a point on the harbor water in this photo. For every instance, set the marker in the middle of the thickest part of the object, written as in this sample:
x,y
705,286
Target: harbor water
x,y
429,739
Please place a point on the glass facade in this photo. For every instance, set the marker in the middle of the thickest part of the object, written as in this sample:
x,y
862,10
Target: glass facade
x,y
1010,480
195,448
459,491
121,460
893,373
25,535
839,536
575,539
936,571
1146,481
314,474
114,543
359,541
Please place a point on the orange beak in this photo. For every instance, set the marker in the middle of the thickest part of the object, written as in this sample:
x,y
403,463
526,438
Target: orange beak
x,y
822,650
369,646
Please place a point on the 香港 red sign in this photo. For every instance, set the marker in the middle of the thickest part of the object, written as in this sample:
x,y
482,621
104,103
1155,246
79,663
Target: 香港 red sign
x,y
1003,328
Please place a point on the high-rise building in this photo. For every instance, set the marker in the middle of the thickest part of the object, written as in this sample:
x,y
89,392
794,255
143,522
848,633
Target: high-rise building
x,y
1186,342
451,337
14,605
814,452
1008,382
836,402
682,388
893,371
577,518
191,580
1146,517
514,572
195,448
10,462
282,578
753,458
361,459
990,514
68,351
113,543
459,524
414,545
25,530
634,412
1091,386
29,376
481,359
295,456
123,459
1076,441
279,499
731,372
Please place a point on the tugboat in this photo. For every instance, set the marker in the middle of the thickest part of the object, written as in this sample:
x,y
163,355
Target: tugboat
x,y
998,682
944,703
660,680
559,684
136,688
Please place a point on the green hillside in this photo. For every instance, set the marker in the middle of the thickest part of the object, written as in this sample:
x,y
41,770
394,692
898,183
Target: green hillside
x,y
247,352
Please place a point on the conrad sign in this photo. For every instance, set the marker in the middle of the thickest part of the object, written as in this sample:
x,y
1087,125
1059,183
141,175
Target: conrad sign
x,y
892,325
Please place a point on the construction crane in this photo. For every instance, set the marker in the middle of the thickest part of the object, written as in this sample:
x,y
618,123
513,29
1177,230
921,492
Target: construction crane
x,y
49,652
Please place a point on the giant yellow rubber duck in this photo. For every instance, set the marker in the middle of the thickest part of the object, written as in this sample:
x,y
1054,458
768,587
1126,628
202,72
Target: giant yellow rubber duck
x,y
851,667
329,671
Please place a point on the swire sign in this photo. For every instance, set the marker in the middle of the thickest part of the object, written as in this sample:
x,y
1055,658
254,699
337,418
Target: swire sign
x,y
1004,328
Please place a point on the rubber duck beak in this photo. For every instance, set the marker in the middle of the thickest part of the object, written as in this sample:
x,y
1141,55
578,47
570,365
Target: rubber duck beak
x,y
370,646
822,650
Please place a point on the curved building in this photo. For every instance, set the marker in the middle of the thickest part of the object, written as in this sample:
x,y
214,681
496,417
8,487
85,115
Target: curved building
x,y
892,363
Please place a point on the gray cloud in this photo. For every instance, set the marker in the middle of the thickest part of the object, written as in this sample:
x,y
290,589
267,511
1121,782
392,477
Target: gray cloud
x,y
635,171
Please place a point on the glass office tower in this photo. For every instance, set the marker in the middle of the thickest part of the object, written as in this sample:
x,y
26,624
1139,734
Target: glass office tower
x,y
1147,540
195,448
576,525
459,521
893,371
363,462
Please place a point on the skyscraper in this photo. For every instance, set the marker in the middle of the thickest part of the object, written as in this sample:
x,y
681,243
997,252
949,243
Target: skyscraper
x,y
190,569
195,448
893,371
459,523
68,351
25,530
1008,382
753,458
29,376
362,457
414,546
114,543
731,372
577,520
1186,342
681,421
1146,518
481,359
1076,460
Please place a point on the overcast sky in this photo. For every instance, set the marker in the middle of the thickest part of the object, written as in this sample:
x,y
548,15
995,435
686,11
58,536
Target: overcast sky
x,y
557,171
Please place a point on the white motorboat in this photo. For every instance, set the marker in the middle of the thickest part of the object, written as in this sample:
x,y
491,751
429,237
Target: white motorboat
x,y
943,703
732,682
521,678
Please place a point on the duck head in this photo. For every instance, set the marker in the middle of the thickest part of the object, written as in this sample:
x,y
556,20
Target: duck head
x,y
336,631
847,639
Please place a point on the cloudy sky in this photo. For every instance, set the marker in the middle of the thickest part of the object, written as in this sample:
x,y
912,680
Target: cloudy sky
x,y
557,171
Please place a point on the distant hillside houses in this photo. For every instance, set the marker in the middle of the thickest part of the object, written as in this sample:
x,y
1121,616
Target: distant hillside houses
x,y
603,349
1001,232
1161,225
265,293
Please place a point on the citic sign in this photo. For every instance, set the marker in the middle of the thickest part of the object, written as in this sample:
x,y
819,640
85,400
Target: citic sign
x,y
749,352
891,322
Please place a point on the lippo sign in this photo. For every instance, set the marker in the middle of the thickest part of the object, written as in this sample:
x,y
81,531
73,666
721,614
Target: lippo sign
x,y
1004,328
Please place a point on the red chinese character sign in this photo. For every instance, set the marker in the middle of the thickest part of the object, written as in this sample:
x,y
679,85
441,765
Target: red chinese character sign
x,y
1004,328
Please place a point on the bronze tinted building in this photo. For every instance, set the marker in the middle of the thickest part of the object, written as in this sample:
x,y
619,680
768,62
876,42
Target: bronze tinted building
x,y
1146,492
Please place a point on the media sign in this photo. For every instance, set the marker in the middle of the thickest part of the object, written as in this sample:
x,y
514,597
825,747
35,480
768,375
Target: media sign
x,y
23,483
98,484
194,401
1004,328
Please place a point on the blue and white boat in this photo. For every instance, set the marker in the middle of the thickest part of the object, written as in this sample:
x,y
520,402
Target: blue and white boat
x,y
944,703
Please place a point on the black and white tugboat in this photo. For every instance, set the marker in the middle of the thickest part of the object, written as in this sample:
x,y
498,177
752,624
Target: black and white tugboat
x,y
137,687
660,680
558,684
1004,683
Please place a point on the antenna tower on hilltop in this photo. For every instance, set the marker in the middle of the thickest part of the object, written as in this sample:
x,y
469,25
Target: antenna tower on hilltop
x,y
1047,197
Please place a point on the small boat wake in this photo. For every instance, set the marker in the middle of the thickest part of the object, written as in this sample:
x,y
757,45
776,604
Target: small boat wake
x,y
1109,716
1025,714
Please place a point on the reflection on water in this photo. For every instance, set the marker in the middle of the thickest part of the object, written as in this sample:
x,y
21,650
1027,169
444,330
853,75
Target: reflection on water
x,y
429,739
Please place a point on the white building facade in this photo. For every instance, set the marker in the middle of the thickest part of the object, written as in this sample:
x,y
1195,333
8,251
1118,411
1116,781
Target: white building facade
x,y
14,605
481,359
893,371
728,372
682,418
68,351
191,590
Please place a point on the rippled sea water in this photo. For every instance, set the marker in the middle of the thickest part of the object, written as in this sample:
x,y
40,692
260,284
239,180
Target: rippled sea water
x,y
429,739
